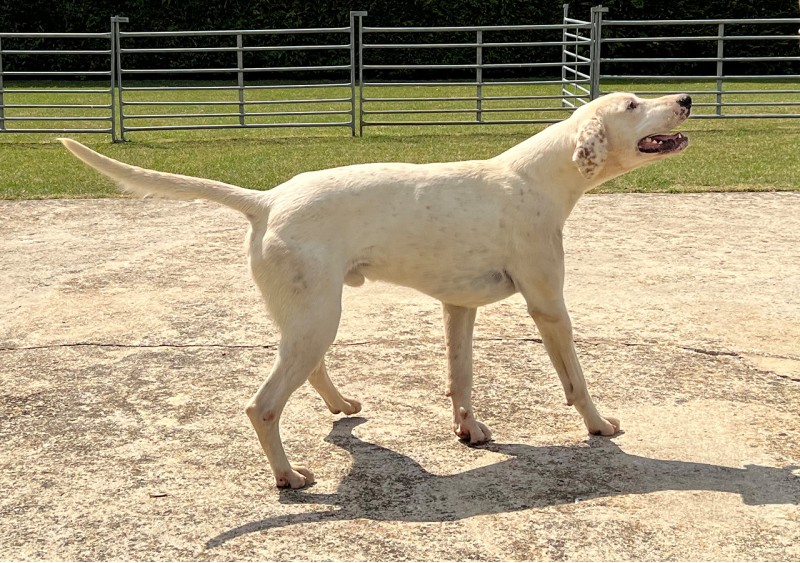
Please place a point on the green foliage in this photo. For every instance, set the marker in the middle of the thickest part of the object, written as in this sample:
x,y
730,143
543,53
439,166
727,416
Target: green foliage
x,y
93,15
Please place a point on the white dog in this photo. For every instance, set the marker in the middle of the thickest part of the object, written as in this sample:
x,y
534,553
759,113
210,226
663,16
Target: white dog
x,y
467,233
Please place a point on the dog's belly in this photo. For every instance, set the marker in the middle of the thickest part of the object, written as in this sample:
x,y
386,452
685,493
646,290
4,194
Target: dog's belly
x,y
465,289
475,292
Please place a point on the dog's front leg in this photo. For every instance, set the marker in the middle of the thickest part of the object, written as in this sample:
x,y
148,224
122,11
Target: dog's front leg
x,y
458,326
543,290
555,326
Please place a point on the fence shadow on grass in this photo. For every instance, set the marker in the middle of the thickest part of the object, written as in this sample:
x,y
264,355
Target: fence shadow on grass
x,y
387,486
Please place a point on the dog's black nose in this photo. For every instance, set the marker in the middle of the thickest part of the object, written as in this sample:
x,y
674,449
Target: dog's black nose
x,y
685,101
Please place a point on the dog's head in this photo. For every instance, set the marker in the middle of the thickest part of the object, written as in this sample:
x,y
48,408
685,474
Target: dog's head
x,y
619,132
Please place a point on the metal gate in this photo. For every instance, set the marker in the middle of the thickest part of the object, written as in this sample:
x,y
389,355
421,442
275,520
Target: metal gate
x,y
576,80
250,90
36,106
476,88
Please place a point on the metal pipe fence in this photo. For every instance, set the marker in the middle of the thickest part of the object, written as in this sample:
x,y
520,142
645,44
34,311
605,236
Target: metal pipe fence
x,y
575,83
359,76
475,92
724,81
251,97
33,103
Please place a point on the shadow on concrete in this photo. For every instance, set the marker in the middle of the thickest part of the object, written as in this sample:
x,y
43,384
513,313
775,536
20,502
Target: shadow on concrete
x,y
385,485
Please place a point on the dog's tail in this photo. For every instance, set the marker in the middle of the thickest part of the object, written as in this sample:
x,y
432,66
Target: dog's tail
x,y
142,181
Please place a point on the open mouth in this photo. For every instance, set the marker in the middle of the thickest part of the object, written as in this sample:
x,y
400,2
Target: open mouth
x,y
663,144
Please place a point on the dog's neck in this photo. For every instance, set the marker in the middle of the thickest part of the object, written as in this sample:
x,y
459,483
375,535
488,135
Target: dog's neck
x,y
555,144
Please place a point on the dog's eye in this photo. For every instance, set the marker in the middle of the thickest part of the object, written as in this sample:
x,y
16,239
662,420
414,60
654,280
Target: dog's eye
x,y
633,105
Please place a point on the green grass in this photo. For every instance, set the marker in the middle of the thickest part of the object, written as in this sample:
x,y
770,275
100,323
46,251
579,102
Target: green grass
x,y
725,155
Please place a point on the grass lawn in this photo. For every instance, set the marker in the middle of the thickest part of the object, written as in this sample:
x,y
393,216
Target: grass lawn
x,y
725,155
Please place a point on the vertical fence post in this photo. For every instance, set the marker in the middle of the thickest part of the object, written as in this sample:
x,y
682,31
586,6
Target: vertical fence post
x,y
596,40
2,104
479,76
240,76
117,65
564,88
353,62
113,86
720,54
360,63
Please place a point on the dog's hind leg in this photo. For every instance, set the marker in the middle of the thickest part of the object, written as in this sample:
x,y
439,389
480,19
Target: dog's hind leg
x,y
334,400
458,325
296,359
308,323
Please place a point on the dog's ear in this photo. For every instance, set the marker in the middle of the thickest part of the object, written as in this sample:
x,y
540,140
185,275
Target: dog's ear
x,y
591,148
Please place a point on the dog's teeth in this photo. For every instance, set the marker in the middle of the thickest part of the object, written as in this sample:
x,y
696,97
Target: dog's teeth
x,y
680,135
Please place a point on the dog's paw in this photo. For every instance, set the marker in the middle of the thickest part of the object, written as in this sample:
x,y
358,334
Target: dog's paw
x,y
604,427
470,430
346,406
296,478
350,406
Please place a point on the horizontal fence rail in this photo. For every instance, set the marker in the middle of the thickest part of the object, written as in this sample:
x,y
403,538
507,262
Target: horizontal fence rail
x,y
358,76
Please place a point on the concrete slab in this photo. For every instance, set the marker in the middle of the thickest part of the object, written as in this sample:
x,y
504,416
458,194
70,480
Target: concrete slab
x,y
131,337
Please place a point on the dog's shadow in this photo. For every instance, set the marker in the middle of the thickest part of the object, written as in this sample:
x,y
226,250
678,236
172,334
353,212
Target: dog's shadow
x,y
385,485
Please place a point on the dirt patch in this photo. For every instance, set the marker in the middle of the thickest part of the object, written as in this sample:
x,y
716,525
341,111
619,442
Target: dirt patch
x,y
131,337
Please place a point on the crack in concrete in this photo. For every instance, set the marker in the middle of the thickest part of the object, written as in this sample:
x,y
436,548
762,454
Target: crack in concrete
x,y
782,376
161,345
711,352
598,342
118,345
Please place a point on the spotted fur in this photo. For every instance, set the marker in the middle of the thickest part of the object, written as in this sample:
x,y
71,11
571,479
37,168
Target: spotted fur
x,y
591,149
